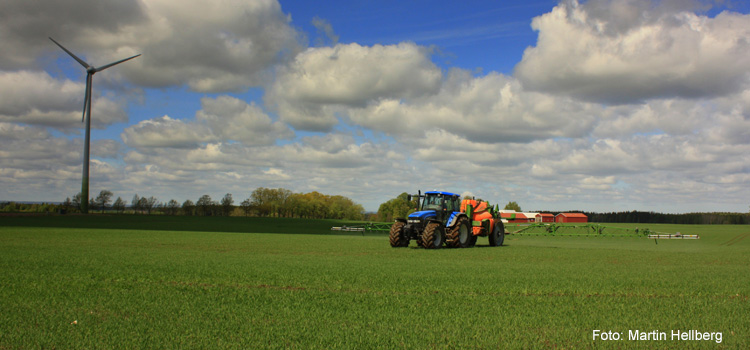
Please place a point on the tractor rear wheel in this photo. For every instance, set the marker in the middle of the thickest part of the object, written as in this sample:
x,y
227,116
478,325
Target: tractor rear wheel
x,y
460,235
497,237
397,236
433,236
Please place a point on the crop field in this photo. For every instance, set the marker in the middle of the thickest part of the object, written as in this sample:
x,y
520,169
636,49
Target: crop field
x,y
142,282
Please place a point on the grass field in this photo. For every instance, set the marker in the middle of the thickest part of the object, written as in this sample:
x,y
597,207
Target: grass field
x,y
129,282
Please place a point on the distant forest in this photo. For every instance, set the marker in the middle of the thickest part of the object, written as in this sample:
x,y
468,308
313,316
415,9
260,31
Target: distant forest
x,y
649,217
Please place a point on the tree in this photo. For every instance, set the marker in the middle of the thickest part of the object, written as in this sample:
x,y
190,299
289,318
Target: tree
x,y
67,205
142,203
77,201
398,207
246,207
204,205
226,204
149,203
188,208
103,199
136,203
119,205
262,201
513,206
172,207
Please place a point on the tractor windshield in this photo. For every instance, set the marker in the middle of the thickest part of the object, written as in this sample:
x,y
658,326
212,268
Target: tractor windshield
x,y
433,202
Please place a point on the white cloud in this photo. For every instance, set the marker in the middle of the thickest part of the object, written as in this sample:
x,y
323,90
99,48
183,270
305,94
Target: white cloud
x,y
490,109
324,28
333,164
208,46
25,27
35,165
222,119
306,91
277,173
166,132
212,46
636,54
31,97
232,119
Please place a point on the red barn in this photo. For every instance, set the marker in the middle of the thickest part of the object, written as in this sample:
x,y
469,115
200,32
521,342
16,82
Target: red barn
x,y
545,217
571,217
514,217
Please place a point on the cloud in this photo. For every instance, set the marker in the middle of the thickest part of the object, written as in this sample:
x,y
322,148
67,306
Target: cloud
x,y
32,97
333,163
233,119
208,46
324,28
166,132
223,119
306,92
636,54
489,109
33,162
25,26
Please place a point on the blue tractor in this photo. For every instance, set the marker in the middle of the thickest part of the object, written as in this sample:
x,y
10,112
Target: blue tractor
x,y
443,218
438,221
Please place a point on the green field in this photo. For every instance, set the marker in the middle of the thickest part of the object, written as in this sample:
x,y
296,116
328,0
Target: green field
x,y
130,282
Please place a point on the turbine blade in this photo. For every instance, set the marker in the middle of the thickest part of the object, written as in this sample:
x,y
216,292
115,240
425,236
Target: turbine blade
x,y
87,98
115,63
82,62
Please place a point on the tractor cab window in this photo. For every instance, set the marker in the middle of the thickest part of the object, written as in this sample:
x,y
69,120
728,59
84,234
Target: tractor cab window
x,y
434,202
454,203
450,204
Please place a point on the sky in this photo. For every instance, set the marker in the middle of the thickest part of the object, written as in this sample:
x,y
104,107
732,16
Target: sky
x,y
601,105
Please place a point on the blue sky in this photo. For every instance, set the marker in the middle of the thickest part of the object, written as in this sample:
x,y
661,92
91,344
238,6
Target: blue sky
x,y
486,35
600,105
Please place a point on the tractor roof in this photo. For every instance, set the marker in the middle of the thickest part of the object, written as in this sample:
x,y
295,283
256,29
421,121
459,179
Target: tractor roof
x,y
443,193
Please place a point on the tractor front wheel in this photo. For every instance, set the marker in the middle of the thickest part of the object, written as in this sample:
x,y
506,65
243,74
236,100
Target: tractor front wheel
x,y
433,236
397,236
497,237
460,235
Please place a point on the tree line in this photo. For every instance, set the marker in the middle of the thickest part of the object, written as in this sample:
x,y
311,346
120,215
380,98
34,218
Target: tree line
x,y
662,218
280,202
265,202
401,206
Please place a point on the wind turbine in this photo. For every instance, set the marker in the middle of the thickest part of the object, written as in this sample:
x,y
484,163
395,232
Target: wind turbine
x,y
90,71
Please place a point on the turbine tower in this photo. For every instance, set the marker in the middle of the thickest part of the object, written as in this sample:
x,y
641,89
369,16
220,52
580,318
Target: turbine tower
x,y
90,71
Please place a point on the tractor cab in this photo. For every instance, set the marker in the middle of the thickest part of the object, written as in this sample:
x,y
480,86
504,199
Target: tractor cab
x,y
436,205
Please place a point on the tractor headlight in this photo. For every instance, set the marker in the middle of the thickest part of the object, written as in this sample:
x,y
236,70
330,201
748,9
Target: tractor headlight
x,y
414,221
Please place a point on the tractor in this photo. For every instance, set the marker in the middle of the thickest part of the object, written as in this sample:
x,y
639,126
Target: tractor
x,y
443,218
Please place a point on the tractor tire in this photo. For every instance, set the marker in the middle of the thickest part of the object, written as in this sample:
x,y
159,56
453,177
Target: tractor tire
x,y
497,237
397,236
433,236
460,235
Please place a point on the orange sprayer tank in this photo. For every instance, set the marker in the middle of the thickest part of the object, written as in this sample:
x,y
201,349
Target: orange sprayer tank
x,y
479,212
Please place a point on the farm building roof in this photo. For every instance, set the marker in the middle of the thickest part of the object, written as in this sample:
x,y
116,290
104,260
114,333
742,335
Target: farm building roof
x,y
574,215
512,214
